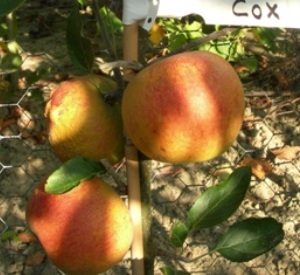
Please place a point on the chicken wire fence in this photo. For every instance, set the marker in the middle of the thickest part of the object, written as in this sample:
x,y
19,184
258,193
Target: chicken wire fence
x,y
269,142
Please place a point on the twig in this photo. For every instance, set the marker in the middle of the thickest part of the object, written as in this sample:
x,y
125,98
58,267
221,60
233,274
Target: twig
x,y
109,66
107,41
270,93
122,186
202,40
197,42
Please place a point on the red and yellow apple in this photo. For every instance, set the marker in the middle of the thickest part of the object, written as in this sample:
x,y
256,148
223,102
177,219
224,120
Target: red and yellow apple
x,y
85,231
187,107
82,123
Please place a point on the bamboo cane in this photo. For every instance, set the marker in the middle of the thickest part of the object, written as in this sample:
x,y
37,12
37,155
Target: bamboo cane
x,y
130,52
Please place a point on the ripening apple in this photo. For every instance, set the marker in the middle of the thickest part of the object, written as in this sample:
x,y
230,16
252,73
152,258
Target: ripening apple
x,y
82,123
85,231
187,107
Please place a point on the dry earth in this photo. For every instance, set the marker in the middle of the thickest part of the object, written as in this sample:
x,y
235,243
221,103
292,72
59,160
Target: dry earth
x,y
271,122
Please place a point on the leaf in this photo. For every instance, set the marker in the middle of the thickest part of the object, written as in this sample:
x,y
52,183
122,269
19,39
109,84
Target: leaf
x,y
7,6
267,37
260,167
156,34
9,235
79,48
71,173
286,153
176,41
10,61
27,237
249,239
251,63
179,233
169,271
219,202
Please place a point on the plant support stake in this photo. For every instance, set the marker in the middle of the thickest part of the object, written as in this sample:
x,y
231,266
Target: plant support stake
x,y
130,52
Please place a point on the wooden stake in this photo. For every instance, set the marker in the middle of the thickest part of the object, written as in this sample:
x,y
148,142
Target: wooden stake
x,y
130,52
130,47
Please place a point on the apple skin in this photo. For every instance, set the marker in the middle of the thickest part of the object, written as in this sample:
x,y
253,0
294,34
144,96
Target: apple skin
x,y
185,108
81,123
84,231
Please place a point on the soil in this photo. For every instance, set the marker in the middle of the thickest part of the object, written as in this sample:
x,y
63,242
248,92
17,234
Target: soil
x,y
271,123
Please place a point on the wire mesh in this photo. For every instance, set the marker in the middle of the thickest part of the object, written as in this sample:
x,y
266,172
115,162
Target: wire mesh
x,y
271,123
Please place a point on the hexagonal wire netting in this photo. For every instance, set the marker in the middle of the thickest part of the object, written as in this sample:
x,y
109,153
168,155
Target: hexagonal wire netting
x,y
269,141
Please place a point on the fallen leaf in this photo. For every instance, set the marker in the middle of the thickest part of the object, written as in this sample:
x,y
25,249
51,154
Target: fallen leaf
x,y
260,167
241,68
4,123
26,237
222,172
261,103
169,171
286,153
156,34
35,258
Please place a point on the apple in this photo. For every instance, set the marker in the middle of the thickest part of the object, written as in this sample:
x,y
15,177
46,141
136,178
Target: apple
x,y
85,231
82,123
187,107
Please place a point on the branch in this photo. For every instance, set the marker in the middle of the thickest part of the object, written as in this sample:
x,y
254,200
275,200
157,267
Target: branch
x,y
203,40
107,41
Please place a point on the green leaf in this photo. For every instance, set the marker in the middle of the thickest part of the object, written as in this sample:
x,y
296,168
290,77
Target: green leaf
x,y
71,173
268,37
9,235
79,48
33,76
250,238
10,61
179,233
251,63
7,6
169,271
177,40
219,202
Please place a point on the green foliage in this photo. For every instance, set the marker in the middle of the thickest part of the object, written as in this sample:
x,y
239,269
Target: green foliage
x,y
169,271
236,47
33,77
244,240
69,175
10,62
179,233
83,2
214,206
3,29
79,48
178,34
10,235
114,27
219,202
268,37
8,6
250,238
113,24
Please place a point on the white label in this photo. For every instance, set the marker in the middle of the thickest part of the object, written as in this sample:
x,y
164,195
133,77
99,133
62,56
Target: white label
x,y
280,13
270,13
